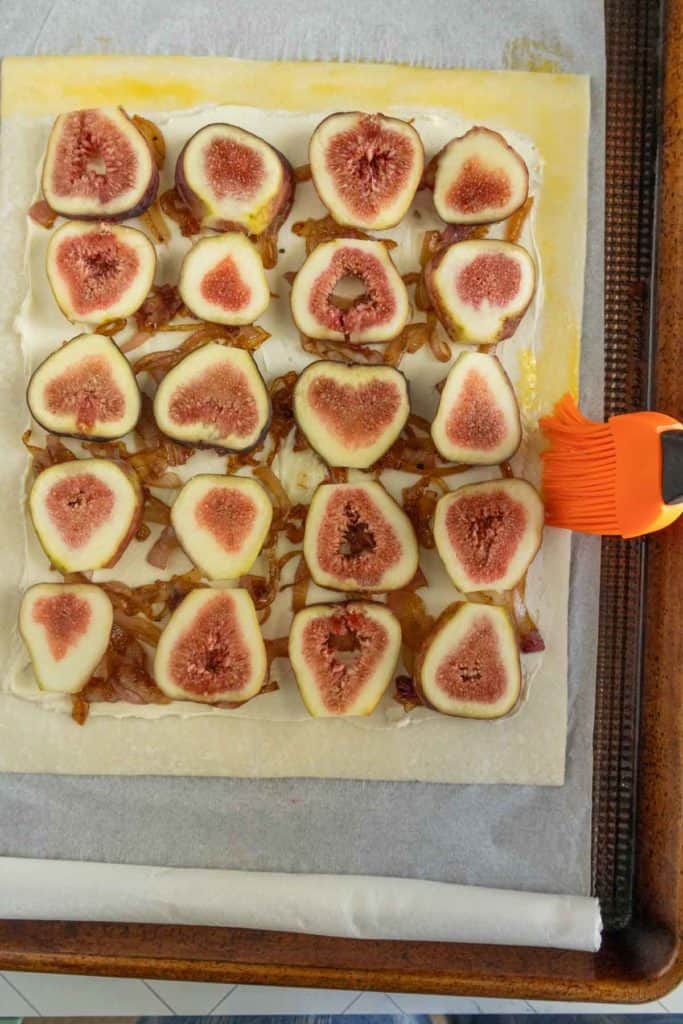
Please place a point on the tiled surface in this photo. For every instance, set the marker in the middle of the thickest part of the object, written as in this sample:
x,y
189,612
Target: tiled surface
x,y
67,995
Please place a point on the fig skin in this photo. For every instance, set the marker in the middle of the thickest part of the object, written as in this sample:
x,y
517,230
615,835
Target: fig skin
x,y
271,217
334,126
179,375
501,397
520,551
316,431
321,262
214,564
85,466
55,671
245,262
148,172
90,345
439,177
135,292
380,674
501,621
219,612
399,572
508,321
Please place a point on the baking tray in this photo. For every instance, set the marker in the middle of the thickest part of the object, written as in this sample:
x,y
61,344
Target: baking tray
x,y
638,802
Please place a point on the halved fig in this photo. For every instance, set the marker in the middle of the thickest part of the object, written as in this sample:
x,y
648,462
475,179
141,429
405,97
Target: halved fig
x,y
488,533
366,168
479,179
99,272
357,538
215,396
66,628
85,512
469,663
221,523
232,179
319,309
343,656
478,417
98,166
480,289
222,280
351,414
212,648
85,389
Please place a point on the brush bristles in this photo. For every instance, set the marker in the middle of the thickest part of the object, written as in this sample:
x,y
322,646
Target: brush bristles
x,y
580,472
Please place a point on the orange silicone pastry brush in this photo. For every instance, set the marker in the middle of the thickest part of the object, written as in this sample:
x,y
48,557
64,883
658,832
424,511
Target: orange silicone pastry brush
x,y
623,477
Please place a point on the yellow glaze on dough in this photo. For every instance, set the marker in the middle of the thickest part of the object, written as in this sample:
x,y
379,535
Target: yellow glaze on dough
x,y
549,108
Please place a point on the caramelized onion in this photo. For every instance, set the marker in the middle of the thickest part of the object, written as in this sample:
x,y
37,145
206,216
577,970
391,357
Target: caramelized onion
x,y
154,138
142,629
325,229
42,213
162,548
341,351
415,622
136,340
155,510
406,695
154,600
177,210
111,327
303,173
155,222
159,308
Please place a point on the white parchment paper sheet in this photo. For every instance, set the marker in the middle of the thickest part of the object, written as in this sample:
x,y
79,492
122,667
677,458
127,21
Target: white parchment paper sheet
x,y
518,837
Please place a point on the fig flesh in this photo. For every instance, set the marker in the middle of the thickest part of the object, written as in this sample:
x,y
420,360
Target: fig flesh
x,y
221,523
85,512
477,421
233,180
99,272
366,168
212,649
479,179
352,414
85,389
469,664
357,538
343,656
480,289
66,628
222,280
488,533
98,166
215,396
378,314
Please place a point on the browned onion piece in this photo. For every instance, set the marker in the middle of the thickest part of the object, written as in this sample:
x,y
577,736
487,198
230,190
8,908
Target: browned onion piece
x,y
303,173
156,510
154,221
42,213
136,340
325,229
154,138
406,695
177,210
409,609
141,628
159,308
162,548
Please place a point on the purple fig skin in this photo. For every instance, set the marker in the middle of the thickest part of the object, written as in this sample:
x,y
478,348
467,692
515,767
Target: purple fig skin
x,y
452,328
443,620
361,114
63,433
429,176
282,205
331,363
143,204
219,449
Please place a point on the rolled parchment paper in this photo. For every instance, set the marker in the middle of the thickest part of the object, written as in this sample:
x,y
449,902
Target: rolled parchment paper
x,y
348,906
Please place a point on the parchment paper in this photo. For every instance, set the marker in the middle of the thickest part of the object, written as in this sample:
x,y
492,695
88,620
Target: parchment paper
x,y
512,836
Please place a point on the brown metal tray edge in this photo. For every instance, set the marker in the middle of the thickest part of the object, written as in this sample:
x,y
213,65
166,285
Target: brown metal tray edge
x,y
636,964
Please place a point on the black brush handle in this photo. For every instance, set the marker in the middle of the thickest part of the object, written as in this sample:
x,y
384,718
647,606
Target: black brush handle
x,y
672,466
